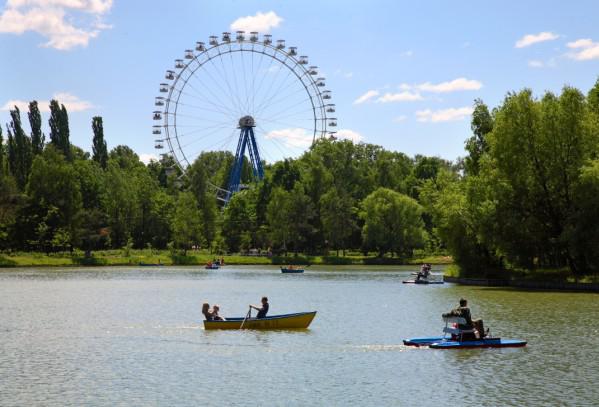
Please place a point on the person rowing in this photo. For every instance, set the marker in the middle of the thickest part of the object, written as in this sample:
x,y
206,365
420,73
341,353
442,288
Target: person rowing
x,y
263,310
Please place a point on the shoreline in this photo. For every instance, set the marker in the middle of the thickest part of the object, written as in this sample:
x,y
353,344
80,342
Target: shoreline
x,y
164,259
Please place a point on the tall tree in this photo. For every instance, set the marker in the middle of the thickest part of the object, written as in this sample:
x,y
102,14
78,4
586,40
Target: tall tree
x,y
35,122
19,149
477,145
99,144
336,211
59,128
187,225
2,154
392,222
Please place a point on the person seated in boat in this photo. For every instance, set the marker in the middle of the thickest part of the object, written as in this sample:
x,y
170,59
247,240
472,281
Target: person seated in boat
x,y
263,310
215,316
464,312
424,272
208,313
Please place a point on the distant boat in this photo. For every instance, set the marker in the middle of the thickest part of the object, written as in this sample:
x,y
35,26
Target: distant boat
x,y
212,266
291,269
299,320
423,281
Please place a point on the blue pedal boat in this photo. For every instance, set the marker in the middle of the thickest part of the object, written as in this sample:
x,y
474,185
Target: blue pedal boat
x,y
458,340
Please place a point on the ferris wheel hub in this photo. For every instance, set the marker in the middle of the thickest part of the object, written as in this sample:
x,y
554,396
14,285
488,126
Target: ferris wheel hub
x,y
247,121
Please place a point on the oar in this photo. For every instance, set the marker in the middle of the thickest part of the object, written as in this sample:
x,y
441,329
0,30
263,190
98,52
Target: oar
x,y
248,315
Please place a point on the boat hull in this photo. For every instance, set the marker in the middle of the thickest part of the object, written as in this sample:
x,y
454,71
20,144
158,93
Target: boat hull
x,y
291,271
300,320
422,282
211,267
439,342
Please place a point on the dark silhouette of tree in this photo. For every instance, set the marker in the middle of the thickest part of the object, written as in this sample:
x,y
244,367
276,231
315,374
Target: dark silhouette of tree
x,y
99,144
19,149
35,121
59,128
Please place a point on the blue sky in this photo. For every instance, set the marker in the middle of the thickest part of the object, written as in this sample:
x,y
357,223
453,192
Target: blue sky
x,y
403,74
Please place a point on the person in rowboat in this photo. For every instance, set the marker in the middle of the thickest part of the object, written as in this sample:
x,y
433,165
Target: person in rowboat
x,y
464,312
215,316
263,310
208,313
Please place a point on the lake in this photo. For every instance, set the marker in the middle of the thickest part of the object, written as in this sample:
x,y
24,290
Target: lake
x,y
133,336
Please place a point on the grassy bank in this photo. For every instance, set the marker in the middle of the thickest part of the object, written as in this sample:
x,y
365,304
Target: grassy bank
x,y
164,257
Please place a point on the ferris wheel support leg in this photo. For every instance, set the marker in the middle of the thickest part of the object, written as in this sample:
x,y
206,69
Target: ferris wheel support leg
x,y
255,156
235,177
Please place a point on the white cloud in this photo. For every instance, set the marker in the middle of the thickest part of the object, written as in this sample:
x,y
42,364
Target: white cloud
x,y
536,63
455,85
349,135
71,102
53,19
292,137
261,22
399,97
400,119
581,43
585,49
444,115
366,97
531,39
147,157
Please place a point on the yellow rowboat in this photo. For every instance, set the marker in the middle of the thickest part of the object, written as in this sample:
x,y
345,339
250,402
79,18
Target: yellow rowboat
x,y
300,320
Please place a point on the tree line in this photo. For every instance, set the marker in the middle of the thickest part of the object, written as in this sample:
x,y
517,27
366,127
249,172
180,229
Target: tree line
x,y
524,196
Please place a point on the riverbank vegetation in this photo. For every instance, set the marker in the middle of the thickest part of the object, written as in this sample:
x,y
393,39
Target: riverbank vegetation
x,y
522,199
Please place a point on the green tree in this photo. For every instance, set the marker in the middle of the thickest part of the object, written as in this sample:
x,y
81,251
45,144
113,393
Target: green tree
x,y
238,218
54,189
392,222
35,122
481,125
19,149
337,215
59,128
100,152
187,225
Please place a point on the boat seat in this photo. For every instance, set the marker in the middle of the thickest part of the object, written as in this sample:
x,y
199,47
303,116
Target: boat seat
x,y
456,331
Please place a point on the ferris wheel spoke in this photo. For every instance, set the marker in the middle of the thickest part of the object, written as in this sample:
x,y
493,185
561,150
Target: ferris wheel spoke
x,y
275,142
198,130
288,125
275,101
202,119
236,85
267,97
304,114
222,73
222,109
203,137
226,106
265,75
220,145
229,115
245,82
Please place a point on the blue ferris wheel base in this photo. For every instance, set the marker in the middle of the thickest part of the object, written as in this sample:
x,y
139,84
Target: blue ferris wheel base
x,y
246,138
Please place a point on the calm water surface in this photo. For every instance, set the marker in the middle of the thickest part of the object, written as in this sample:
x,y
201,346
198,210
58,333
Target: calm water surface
x,y
127,336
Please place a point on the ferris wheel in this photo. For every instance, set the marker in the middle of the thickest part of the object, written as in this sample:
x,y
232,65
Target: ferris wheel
x,y
241,93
